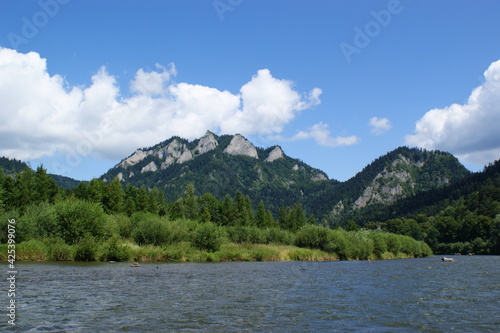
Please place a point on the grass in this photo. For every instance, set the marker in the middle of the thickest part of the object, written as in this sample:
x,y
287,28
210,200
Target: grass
x,y
57,250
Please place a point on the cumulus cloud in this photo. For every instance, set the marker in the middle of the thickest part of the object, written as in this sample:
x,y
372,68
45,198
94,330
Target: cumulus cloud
x,y
470,130
380,125
41,114
321,134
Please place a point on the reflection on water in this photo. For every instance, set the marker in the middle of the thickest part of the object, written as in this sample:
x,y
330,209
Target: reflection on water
x,y
375,296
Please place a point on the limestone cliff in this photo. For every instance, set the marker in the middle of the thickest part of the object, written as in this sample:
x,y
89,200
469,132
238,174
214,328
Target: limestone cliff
x,y
207,143
241,146
275,154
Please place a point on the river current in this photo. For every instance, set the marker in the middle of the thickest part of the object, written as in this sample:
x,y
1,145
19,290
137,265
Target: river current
x,y
408,295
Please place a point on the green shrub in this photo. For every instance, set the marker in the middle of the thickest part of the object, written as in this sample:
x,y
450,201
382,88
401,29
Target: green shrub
x,y
340,245
86,250
77,218
313,236
58,250
278,236
393,243
245,234
379,243
32,250
156,230
361,245
113,250
208,236
42,220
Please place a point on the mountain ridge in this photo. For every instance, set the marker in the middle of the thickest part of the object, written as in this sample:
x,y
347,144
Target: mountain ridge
x,y
229,163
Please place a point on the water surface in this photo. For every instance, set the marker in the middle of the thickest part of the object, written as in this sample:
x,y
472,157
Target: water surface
x,y
410,295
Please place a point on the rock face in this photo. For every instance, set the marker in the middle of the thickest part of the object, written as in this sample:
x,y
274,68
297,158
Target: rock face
x,y
241,146
275,154
319,177
206,144
186,156
135,158
151,167
387,186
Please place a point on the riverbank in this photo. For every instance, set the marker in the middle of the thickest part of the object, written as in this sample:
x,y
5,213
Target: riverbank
x,y
36,250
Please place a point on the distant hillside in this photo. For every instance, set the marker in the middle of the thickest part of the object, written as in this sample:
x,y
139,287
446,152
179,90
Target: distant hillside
x,y
400,173
11,167
226,164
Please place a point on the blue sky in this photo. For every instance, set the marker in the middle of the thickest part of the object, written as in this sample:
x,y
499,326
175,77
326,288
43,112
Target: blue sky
x,y
334,83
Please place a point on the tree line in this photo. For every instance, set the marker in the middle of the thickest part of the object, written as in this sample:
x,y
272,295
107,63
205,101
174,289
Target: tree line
x,y
106,221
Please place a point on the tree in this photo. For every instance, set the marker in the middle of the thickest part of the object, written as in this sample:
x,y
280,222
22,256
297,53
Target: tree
x,y
45,187
190,201
210,203
114,197
141,200
81,191
261,218
227,210
78,219
97,190
352,226
242,209
130,197
24,188
297,217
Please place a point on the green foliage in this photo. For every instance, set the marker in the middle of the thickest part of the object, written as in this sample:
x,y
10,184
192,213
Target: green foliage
x,y
58,250
209,236
246,234
279,236
155,230
313,236
114,250
86,249
75,219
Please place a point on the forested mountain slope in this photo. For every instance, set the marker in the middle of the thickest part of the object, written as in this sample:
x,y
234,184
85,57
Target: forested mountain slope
x,y
227,164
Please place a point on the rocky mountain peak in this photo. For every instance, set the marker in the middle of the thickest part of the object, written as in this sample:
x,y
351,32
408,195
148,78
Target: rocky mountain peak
x,y
275,154
207,143
241,146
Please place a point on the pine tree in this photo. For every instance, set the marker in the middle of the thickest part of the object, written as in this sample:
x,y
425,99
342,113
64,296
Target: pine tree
x,y
97,190
190,202
114,196
130,198
24,188
261,216
45,187
228,212
284,220
141,200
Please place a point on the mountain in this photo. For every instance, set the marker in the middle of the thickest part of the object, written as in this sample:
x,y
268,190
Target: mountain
x,y
220,165
463,217
226,164
399,174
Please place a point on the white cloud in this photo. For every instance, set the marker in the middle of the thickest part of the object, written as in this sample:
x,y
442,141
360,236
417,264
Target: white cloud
x,y
41,114
321,134
380,125
469,131
268,104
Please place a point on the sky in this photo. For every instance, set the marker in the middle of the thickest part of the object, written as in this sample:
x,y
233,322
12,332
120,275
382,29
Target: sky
x,y
337,84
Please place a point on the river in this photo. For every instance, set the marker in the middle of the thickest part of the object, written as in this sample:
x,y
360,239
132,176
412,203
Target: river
x,y
407,295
